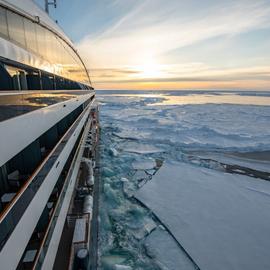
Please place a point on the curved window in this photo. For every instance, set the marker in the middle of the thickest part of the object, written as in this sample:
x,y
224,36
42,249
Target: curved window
x,y
53,54
3,22
41,40
30,35
16,28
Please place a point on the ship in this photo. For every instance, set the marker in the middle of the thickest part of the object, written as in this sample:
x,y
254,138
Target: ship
x,y
49,133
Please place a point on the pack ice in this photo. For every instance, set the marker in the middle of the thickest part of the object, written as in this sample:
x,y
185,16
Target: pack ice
x,y
222,220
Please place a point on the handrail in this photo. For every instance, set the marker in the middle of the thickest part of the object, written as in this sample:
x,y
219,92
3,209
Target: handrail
x,y
58,202
35,174
80,244
53,91
29,101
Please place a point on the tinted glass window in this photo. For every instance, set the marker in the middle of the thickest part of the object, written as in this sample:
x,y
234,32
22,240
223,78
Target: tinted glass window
x,y
16,28
3,22
54,53
49,39
59,49
41,41
30,34
74,66
58,55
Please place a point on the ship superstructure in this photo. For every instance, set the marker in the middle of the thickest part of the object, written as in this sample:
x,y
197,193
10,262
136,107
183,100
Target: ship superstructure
x,y
48,135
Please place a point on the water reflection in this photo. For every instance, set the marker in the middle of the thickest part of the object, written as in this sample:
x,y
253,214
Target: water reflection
x,y
47,99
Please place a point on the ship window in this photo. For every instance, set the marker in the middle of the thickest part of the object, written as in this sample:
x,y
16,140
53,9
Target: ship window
x,y
41,41
60,57
16,28
3,22
59,50
49,44
18,78
54,52
30,34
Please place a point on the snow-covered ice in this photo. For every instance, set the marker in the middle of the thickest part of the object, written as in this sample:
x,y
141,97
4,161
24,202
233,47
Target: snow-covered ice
x,y
221,219
262,165
137,135
206,126
161,246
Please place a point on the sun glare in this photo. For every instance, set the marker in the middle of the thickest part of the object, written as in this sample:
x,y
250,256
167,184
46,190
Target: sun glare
x,y
149,69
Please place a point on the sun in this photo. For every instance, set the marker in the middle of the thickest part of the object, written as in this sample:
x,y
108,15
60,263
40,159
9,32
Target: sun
x,y
149,69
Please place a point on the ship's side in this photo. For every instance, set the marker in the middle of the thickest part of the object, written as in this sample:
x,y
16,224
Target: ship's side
x,y
48,135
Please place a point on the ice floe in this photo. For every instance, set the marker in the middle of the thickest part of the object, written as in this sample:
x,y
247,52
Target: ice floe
x,y
222,220
164,249
206,126
217,217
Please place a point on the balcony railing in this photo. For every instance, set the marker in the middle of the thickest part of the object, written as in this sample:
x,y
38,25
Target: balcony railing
x,y
14,211
13,104
50,228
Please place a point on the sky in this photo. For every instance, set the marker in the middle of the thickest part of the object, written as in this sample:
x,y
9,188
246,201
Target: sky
x,y
171,44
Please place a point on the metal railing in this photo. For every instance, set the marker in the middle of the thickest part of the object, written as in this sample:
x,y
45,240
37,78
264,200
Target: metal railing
x,y
82,244
12,214
15,103
50,228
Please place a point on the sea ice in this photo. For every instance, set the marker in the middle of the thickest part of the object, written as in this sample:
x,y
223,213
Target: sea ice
x,y
231,159
113,152
205,126
144,164
139,148
122,267
165,250
222,220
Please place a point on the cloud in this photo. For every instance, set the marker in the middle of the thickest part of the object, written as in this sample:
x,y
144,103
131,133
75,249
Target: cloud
x,y
154,28
204,75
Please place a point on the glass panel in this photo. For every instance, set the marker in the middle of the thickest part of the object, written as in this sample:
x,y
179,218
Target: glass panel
x,y
59,50
66,60
72,65
54,53
41,41
16,28
3,22
15,75
30,34
49,43
63,60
